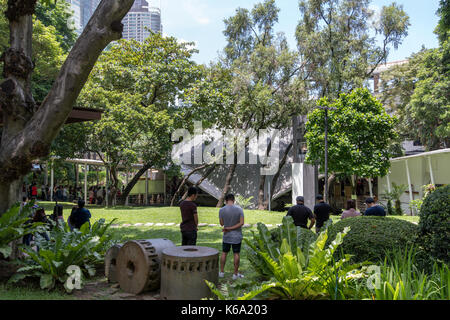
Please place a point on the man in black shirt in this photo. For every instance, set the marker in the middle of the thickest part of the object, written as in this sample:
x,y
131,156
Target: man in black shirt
x,y
322,212
301,214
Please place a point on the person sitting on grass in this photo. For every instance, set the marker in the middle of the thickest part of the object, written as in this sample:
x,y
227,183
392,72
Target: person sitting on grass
x,y
80,216
231,217
373,209
350,210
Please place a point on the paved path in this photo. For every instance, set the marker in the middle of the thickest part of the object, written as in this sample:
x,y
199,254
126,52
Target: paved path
x,y
173,224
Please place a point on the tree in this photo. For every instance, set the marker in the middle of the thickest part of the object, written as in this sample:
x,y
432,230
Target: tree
x,y
443,27
429,107
418,92
58,14
256,75
28,131
359,132
333,38
137,86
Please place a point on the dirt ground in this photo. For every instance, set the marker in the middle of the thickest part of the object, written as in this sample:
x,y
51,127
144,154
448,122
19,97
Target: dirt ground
x,y
100,289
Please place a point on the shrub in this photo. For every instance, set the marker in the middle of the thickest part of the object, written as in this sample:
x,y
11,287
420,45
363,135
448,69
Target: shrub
x,y
84,248
243,202
14,225
434,224
370,237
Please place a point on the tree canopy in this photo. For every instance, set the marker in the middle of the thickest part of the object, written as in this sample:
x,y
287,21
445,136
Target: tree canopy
x,y
359,133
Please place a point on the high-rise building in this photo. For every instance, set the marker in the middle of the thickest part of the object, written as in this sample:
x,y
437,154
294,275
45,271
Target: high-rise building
x,y
82,12
140,19
75,6
87,10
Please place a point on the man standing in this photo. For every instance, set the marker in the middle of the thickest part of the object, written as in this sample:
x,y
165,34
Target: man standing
x,y
300,213
373,209
231,217
189,218
322,212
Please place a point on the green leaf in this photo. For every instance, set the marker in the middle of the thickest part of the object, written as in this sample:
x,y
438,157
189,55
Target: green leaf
x,y
47,281
6,251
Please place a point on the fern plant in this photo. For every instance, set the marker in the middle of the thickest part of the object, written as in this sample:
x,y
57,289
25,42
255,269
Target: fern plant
x,y
243,202
302,267
84,248
13,226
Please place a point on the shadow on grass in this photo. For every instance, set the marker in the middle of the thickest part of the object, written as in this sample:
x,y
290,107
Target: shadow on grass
x,y
207,237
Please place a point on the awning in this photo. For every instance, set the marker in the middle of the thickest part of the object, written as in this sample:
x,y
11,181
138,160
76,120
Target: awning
x,y
78,114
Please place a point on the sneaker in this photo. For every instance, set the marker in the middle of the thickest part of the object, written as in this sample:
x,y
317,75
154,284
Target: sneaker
x,y
221,274
237,276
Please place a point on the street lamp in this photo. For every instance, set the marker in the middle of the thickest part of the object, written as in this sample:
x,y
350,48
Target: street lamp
x,y
326,108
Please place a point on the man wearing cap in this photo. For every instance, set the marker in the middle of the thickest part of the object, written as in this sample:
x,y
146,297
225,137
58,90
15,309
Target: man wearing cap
x,y
300,213
373,209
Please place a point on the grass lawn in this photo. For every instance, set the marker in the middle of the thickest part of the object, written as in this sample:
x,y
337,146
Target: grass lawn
x,y
207,236
132,215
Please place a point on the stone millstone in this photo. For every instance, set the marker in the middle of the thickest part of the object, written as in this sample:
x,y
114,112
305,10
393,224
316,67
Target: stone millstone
x,y
111,263
138,265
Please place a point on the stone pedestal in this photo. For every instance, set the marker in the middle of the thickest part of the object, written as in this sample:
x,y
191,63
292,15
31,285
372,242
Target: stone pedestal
x,y
184,271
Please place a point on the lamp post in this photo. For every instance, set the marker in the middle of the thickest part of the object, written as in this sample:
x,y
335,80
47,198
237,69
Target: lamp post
x,y
326,108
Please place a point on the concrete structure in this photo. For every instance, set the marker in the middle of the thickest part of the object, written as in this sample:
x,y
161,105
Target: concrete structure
x,y
184,271
416,171
140,19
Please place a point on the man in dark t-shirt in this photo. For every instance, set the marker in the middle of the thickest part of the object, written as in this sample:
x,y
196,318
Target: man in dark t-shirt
x,y
189,218
301,214
373,209
322,212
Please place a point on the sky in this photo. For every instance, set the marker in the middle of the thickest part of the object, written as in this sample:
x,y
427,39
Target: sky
x,y
201,21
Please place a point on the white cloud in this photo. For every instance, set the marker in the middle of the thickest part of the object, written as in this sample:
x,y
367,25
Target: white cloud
x,y
197,10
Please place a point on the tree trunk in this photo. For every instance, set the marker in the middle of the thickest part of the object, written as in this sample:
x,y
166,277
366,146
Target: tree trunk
x,y
262,183
27,131
227,185
327,192
199,182
183,182
277,175
133,182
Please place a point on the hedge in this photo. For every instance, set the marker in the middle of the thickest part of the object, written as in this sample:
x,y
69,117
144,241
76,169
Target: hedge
x,y
370,237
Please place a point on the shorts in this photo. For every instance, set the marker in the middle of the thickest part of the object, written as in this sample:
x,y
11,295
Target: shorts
x,y
236,247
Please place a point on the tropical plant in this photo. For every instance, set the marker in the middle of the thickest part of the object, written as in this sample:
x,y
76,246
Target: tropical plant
x,y
299,270
13,226
84,248
394,195
401,279
270,242
244,202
